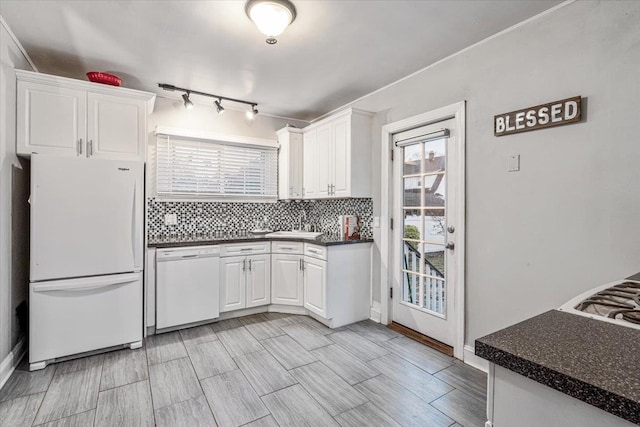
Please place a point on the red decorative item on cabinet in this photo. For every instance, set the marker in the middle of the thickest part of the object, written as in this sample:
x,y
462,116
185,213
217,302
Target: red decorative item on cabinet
x,y
104,78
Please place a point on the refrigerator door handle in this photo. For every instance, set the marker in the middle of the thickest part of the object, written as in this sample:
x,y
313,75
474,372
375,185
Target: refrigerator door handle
x,y
83,286
134,230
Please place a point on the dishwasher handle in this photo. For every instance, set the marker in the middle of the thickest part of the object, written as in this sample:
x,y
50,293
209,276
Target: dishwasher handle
x,y
184,255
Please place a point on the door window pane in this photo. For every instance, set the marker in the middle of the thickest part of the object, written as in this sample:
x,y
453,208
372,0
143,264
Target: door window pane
x,y
434,298
413,225
412,159
410,290
434,156
434,260
435,227
411,256
434,190
411,191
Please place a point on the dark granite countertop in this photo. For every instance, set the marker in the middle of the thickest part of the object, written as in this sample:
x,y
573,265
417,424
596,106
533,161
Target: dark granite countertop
x,y
594,361
209,240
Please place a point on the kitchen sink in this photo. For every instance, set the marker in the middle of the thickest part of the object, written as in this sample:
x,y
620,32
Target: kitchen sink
x,y
295,234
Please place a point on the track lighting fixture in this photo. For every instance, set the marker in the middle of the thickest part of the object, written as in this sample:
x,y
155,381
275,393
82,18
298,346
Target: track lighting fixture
x,y
218,102
219,107
251,114
187,102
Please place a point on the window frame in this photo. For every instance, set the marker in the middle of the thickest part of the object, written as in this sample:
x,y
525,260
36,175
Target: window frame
x,y
214,138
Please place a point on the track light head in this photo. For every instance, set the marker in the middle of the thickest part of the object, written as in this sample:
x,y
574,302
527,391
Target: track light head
x,y
219,107
187,102
251,114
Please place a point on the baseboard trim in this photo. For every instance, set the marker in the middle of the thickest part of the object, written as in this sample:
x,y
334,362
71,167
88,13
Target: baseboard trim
x,y
11,361
471,359
375,315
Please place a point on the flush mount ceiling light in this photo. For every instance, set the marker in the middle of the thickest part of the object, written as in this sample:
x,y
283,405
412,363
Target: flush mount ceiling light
x,y
271,17
251,114
219,107
187,102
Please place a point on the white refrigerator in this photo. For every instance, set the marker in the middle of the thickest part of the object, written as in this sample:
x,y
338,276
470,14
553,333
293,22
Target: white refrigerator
x,y
86,256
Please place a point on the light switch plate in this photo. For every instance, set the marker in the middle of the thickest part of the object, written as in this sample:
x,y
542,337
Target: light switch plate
x,y
170,219
514,163
376,221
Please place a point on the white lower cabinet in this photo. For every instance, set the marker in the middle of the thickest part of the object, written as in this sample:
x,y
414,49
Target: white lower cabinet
x,y
232,283
258,280
244,282
315,286
287,279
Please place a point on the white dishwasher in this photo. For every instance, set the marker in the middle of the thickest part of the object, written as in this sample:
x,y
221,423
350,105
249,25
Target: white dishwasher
x,y
187,285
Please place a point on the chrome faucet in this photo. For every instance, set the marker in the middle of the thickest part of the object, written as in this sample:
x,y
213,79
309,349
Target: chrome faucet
x,y
303,217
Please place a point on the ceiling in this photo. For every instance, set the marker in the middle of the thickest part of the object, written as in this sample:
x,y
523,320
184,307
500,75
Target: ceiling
x,y
333,53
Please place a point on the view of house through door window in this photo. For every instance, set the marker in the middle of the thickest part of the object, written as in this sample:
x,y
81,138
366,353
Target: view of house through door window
x,y
424,224
425,185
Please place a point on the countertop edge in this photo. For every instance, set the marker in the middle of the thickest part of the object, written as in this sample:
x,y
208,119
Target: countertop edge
x,y
593,395
165,245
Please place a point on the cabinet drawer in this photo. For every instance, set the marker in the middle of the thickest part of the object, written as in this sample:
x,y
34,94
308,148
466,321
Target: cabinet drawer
x,y
245,249
315,251
287,247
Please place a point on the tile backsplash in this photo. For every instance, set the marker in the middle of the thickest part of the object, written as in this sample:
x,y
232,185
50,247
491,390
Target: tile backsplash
x,y
206,217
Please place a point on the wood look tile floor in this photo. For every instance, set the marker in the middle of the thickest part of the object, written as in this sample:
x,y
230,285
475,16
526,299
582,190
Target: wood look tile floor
x,y
265,370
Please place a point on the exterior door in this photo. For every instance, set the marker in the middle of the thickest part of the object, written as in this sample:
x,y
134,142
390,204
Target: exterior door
x,y
232,283
425,185
258,280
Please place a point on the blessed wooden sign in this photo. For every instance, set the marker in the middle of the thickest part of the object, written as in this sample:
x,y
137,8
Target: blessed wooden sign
x,y
542,116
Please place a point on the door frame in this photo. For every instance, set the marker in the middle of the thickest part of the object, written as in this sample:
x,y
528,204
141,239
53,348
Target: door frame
x,y
457,112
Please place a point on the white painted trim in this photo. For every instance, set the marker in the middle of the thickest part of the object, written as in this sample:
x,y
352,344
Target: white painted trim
x,y
336,114
215,136
491,37
457,112
375,312
471,359
65,82
17,42
11,361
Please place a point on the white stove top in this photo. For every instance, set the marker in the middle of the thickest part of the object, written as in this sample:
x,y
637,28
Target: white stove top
x,y
616,302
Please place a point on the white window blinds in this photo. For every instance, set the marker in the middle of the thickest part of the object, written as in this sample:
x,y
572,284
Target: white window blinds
x,y
215,169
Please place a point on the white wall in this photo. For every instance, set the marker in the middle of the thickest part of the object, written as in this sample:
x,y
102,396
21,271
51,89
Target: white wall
x,y
569,220
13,280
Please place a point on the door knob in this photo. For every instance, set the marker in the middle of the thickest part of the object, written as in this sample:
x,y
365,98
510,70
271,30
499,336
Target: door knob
x,y
450,245
451,229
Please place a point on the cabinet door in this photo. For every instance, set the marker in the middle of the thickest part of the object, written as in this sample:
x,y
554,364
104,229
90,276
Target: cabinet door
x,y
51,120
232,283
286,280
296,160
258,280
315,286
323,160
341,155
310,165
116,127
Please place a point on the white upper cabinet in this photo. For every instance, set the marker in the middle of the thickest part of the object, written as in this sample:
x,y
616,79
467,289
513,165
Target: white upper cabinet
x,y
310,173
338,164
115,126
290,161
66,117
